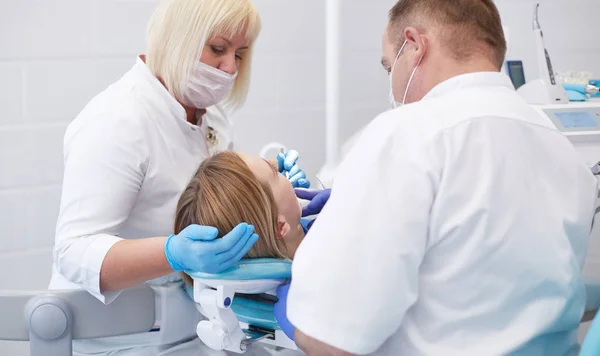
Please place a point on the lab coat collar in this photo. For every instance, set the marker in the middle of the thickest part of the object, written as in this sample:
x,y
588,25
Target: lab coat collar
x,y
478,79
159,89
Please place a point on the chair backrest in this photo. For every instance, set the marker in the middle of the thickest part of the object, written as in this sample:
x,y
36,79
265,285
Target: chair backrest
x,y
249,276
252,269
591,343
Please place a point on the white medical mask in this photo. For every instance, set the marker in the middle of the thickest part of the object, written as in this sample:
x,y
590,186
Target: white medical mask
x,y
207,86
392,98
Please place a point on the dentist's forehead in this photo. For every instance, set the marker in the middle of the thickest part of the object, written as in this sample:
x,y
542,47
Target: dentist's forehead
x,y
387,49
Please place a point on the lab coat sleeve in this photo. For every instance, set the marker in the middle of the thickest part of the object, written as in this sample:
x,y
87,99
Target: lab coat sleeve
x,y
356,273
104,169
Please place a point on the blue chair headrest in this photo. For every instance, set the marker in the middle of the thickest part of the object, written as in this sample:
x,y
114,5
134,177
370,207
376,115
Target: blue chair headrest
x,y
252,268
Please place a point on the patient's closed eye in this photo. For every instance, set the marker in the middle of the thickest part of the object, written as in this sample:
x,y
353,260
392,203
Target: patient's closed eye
x,y
273,168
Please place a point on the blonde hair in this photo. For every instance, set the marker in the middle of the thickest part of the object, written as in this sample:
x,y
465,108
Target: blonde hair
x,y
178,31
224,193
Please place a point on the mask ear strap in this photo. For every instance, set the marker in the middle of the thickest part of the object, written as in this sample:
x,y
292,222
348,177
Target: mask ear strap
x,y
397,56
392,99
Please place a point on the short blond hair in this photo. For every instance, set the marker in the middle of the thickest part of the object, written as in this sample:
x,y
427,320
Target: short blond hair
x,y
178,31
224,193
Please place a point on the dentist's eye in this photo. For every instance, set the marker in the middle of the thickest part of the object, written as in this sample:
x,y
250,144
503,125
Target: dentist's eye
x,y
217,50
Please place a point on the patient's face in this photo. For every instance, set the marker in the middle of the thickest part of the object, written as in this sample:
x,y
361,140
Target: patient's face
x,y
283,192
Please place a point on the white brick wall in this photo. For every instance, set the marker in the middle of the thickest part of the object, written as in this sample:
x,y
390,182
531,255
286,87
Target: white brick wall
x,y
56,54
568,31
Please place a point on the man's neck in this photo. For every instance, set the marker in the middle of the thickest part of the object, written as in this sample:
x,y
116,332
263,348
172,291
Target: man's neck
x,y
444,69
457,68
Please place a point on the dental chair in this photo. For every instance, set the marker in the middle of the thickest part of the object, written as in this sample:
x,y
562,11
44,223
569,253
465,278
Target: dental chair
x,y
237,303
51,320
234,322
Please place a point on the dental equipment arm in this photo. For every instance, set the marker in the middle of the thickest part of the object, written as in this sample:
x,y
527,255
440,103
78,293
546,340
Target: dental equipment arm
x,y
545,89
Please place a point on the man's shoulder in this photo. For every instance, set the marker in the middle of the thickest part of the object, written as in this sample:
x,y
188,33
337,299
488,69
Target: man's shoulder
x,y
410,124
429,117
416,128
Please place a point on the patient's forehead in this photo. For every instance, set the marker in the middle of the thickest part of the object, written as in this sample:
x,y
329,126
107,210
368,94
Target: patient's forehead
x,y
258,166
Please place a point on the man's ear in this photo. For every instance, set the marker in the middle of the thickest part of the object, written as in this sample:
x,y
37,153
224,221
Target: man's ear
x,y
283,228
417,41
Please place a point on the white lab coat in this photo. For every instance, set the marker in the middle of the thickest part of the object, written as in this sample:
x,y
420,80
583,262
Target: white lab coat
x,y
457,225
128,156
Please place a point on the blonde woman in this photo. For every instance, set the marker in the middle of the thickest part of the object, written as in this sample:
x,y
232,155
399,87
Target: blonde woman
x,y
129,155
230,188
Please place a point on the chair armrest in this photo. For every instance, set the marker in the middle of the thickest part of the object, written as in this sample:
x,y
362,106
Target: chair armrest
x,y
132,312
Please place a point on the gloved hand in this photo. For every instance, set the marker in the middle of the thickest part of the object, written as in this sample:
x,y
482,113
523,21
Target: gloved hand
x,y
318,199
286,163
196,249
280,311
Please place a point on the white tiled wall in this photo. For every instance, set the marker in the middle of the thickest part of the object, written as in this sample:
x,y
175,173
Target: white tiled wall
x,y
568,28
56,54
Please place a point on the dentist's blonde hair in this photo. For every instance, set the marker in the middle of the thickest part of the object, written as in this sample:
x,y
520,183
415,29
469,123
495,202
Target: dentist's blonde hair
x,y
178,31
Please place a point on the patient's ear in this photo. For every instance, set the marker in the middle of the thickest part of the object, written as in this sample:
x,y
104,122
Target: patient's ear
x,y
283,228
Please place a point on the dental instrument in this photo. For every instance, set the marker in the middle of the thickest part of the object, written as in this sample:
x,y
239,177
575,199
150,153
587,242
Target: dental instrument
x,y
545,89
320,183
266,149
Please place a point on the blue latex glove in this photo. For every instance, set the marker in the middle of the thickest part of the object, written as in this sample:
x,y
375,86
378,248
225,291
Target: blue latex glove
x,y
286,163
280,311
196,249
318,199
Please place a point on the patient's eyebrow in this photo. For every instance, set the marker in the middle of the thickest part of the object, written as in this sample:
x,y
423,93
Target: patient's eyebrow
x,y
272,167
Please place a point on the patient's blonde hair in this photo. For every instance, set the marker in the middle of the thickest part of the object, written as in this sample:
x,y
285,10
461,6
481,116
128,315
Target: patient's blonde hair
x,y
178,31
224,193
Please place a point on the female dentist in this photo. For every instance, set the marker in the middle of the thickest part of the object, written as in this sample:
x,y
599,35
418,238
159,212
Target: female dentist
x,y
130,153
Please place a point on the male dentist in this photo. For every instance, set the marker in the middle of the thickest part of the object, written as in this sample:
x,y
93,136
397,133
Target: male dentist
x,y
465,226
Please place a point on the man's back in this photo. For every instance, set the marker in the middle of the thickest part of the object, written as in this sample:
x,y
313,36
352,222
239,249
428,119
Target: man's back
x,y
477,238
508,231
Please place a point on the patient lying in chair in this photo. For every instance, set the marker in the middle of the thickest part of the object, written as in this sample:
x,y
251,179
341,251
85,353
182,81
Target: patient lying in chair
x,y
230,188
